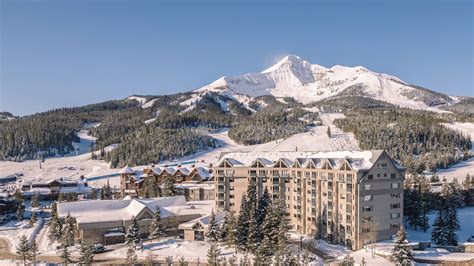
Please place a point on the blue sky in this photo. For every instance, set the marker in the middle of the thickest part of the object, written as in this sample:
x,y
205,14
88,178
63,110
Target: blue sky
x,y
70,53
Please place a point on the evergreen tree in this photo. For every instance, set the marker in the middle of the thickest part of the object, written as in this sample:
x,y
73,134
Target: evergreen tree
x,y
23,250
182,262
157,230
274,229
347,261
402,252
86,255
132,237
446,223
106,191
169,260
64,255
452,226
253,230
168,186
68,232
35,200
20,212
242,227
228,228
33,219
212,232
263,203
18,196
55,226
213,254
439,231
33,251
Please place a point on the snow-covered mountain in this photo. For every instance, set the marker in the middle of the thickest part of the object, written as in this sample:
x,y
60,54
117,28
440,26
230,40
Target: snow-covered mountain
x,y
305,82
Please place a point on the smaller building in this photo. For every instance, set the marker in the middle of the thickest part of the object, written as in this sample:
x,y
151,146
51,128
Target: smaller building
x,y
195,230
106,221
132,182
51,189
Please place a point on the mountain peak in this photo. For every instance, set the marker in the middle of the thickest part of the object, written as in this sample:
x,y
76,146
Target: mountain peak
x,y
289,61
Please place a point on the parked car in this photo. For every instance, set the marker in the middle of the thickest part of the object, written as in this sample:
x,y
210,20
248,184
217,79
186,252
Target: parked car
x,y
98,248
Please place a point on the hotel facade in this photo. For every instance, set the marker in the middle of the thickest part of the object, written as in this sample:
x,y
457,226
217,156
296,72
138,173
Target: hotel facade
x,y
346,197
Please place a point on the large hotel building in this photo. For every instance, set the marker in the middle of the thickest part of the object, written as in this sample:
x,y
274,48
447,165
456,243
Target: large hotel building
x,y
346,197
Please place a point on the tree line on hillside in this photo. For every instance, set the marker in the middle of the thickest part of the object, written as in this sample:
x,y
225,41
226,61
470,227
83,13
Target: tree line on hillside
x,y
51,133
268,124
416,139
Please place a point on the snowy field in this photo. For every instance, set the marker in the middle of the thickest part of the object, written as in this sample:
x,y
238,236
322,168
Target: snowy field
x,y
461,169
177,248
72,167
466,221
466,128
13,230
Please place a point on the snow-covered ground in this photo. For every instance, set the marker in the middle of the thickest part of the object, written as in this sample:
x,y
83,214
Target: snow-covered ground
x,y
459,171
466,221
177,248
13,230
466,128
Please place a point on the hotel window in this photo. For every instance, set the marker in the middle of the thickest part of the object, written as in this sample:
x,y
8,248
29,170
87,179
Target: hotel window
x,y
365,230
367,208
284,173
370,177
395,206
368,187
368,197
349,187
395,185
392,175
378,175
395,195
229,172
395,215
394,226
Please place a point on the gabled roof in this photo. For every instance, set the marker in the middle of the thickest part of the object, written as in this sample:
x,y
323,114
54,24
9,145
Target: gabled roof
x,y
183,170
203,221
127,170
263,161
201,172
284,161
94,211
358,160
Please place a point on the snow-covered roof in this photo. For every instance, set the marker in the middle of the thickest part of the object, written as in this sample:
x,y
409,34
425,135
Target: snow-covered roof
x,y
127,170
203,220
201,171
95,211
358,160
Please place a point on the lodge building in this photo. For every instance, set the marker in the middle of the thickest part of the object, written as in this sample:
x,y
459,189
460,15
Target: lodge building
x,y
191,182
346,197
